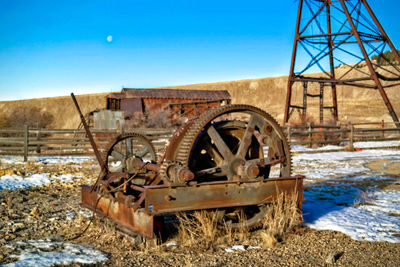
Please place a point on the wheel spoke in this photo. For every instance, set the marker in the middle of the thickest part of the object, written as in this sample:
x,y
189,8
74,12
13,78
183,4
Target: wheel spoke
x,y
277,144
143,152
246,139
129,147
118,155
212,151
223,149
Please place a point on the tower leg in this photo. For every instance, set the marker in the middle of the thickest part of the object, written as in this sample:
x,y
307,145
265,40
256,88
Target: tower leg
x,y
321,103
304,111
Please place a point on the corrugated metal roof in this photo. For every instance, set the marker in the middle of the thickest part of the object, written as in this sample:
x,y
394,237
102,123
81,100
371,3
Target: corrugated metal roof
x,y
173,93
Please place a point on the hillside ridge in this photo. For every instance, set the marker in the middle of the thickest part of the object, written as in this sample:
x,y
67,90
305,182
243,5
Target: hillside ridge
x,y
268,93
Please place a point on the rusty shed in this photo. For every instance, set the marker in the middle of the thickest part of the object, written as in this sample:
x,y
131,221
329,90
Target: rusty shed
x,y
186,103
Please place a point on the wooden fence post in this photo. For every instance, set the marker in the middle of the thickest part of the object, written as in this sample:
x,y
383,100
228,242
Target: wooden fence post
x,y
26,142
310,135
351,146
341,133
38,147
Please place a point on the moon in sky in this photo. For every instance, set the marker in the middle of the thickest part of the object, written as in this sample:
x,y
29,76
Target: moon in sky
x,y
109,38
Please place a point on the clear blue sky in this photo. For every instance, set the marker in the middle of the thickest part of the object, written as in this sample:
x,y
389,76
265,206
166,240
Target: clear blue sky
x,y
51,48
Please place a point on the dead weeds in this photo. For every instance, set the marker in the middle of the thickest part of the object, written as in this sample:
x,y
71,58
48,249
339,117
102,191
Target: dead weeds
x,y
202,230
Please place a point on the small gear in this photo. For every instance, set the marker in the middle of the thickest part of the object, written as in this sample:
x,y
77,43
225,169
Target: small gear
x,y
165,173
125,146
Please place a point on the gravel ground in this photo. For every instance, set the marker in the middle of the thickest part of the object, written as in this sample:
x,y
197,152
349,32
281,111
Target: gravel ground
x,y
53,211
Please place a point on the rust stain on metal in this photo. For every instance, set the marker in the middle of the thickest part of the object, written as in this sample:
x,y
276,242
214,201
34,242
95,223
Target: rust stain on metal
x,y
125,216
220,195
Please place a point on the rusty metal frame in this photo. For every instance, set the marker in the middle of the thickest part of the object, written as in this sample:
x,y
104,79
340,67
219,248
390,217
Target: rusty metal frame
x,y
126,217
373,37
221,194
161,199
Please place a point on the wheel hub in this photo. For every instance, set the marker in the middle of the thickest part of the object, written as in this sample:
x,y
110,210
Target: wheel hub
x,y
235,167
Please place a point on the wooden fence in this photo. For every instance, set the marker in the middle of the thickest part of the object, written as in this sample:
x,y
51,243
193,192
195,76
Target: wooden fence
x,y
66,142
71,142
344,135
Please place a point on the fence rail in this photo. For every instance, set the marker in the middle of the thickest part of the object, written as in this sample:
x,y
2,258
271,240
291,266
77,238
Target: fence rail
x,y
60,142
345,134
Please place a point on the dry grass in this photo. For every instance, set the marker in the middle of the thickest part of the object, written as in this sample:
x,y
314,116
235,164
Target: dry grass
x,y
202,231
280,218
62,108
201,228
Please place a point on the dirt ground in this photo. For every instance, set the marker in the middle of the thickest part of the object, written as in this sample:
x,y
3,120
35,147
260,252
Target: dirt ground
x,y
53,211
386,166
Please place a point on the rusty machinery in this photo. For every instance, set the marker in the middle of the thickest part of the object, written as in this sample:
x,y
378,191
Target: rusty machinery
x,y
234,159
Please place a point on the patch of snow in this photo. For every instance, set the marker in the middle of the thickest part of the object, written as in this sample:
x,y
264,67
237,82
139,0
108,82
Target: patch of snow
x,y
63,160
15,182
240,248
345,155
333,184
86,213
67,178
369,144
376,144
387,202
172,243
366,222
49,253
70,215
338,164
299,148
47,160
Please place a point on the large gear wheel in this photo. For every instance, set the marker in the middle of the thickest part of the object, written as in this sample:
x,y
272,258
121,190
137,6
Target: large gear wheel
x,y
236,143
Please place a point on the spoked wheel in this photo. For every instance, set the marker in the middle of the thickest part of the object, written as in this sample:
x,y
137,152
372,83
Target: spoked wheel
x,y
127,146
236,143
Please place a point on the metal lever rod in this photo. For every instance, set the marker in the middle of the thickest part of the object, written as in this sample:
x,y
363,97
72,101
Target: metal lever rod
x,y
90,136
